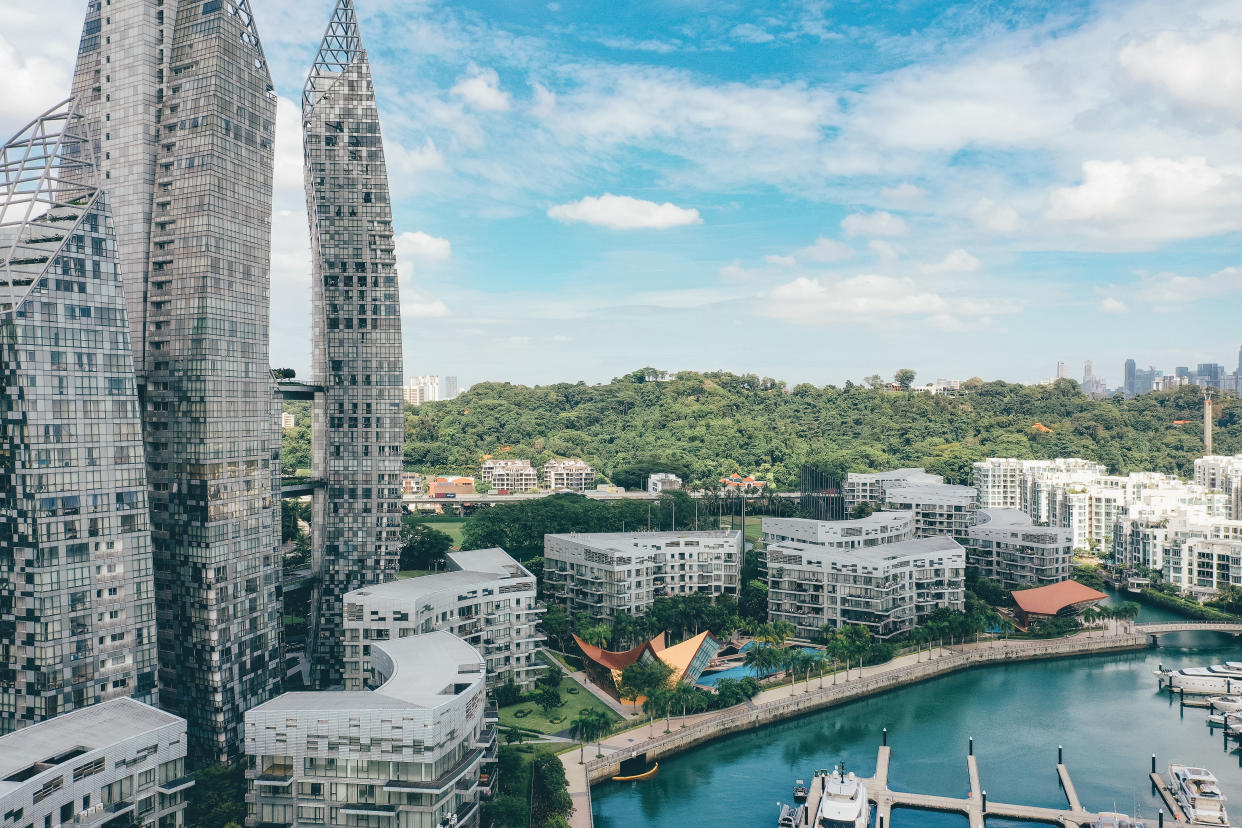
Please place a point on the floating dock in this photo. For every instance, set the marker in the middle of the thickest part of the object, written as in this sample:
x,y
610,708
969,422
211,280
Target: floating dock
x,y
977,805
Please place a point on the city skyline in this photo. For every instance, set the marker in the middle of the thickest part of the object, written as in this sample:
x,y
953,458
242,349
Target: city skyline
x,y
968,221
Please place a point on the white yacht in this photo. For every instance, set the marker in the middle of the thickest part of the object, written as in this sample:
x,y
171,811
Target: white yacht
x,y
844,802
1227,704
1219,679
1199,795
1111,819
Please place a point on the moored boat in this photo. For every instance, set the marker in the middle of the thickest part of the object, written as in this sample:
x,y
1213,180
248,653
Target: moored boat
x,y
1112,819
1228,704
791,816
1199,795
844,802
800,791
1219,679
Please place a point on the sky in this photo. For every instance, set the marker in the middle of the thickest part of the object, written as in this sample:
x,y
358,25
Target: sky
x,y
809,190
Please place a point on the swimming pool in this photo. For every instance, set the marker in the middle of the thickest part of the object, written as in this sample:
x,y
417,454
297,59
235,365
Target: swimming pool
x,y
738,672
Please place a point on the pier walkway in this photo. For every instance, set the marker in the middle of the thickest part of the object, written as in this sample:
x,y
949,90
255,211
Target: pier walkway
x,y
977,805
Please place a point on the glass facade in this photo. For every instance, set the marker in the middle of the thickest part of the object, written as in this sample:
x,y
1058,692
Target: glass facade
x,y
359,419
77,602
182,106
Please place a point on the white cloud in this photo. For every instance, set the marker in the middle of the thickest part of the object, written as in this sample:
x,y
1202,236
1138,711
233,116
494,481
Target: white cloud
x,y
420,245
750,33
1171,291
826,250
781,261
482,90
406,162
422,307
1203,71
1111,305
879,223
884,250
1151,200
625,213
904,193
959,261
993,218
867,298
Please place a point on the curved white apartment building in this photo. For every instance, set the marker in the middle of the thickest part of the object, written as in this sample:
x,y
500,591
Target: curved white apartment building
x,y
415,752
488,600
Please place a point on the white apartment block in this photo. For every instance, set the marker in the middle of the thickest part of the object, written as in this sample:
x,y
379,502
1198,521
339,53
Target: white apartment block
x,y
663,482
879,528
880,579
422,389
511,475
1005,546
287,420
417,751
1222,474
999,482
1202,565
487,600
113,763
606,573
939,509
575,475
411,483
870,488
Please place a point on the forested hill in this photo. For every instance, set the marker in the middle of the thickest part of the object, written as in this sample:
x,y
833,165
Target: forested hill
x,y
710,425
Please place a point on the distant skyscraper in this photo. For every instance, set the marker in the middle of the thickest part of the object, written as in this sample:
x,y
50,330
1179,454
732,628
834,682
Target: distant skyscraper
x,y
1128,386
1087,375
77,600
357,335
1061,370
182,106
450,388
422,389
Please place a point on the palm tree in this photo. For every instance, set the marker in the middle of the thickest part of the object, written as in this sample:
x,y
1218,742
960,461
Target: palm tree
x,y
597,635
683,694
1129,611
656,705
589,725
764,659
1090,615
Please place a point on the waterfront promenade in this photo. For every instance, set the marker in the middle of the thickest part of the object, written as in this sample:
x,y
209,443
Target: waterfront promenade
x,y
652,742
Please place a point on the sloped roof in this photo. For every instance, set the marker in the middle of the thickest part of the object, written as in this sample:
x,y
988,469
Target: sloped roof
x,y
680,656
619,661
1051,599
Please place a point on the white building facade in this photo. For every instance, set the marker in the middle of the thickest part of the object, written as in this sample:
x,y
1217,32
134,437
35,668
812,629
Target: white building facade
x,y
418,751
511,475
871,488
117,762
1005,546
488,600
603,574
422,389
869,572
575,475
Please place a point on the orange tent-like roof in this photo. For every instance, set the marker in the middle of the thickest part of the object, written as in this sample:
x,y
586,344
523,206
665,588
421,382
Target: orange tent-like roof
x,y
1051,599
621,660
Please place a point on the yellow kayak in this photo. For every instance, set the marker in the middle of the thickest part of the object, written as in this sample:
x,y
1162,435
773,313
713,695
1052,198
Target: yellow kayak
x,y
643,775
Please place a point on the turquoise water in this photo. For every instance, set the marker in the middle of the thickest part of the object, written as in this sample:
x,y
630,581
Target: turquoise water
x,y
1105,710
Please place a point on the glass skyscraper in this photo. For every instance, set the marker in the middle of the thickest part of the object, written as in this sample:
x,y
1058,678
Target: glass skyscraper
x,y
77,601
182,110
359,419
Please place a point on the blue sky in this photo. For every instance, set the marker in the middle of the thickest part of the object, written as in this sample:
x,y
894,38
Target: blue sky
x,y
810,190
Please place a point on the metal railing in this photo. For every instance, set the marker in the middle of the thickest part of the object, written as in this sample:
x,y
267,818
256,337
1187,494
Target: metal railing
x,y
747,715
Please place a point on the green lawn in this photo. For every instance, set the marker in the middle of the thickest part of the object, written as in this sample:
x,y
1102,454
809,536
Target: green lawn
x,y
574,703
413,573
450,526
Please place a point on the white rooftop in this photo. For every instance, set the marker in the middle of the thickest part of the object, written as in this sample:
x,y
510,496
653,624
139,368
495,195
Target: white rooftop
x,y
873,555
427,670
494,560
625,541
933,493
90,728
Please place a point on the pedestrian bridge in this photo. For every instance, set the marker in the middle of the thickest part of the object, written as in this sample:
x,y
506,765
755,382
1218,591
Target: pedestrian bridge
x,y
1190,626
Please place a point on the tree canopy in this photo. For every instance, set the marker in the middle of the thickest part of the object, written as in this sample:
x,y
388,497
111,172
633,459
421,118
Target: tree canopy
x,y
704,426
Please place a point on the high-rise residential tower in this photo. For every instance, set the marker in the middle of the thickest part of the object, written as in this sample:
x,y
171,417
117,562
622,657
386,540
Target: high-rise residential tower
x,y
182,108
1130,371
359,418
77,602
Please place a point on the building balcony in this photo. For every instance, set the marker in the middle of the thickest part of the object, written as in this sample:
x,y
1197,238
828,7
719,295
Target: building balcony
x,y
445,781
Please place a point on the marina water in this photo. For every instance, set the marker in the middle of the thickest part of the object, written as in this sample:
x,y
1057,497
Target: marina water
x,y
1105,710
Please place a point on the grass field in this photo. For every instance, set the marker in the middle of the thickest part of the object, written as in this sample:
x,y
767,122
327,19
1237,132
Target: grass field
x,y
573,704
451,526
